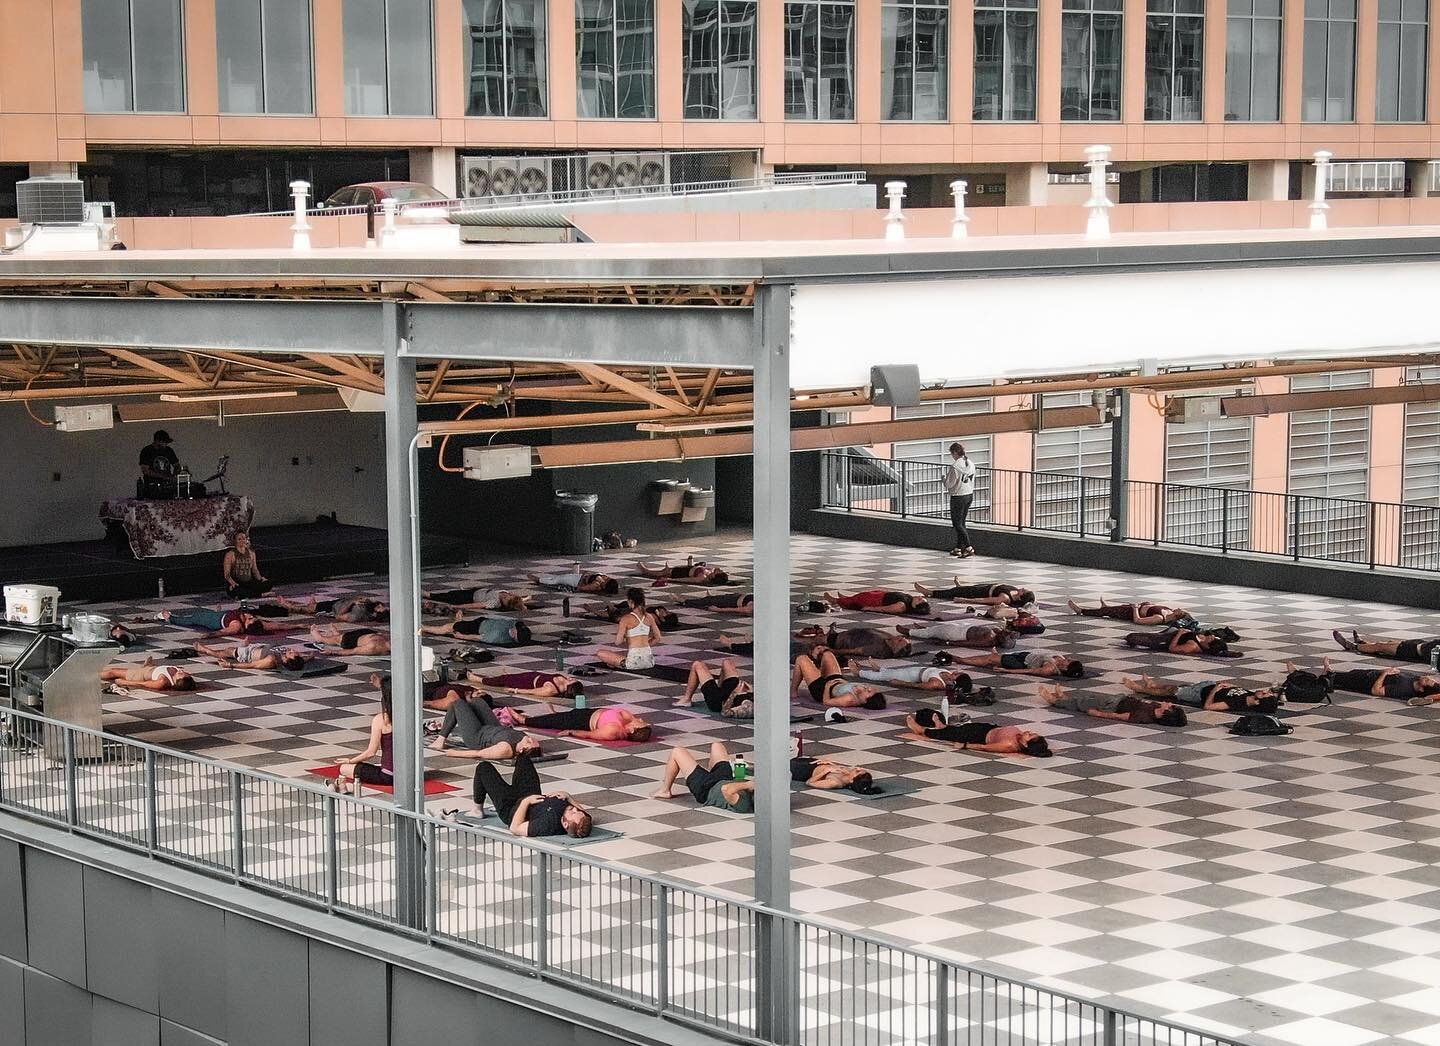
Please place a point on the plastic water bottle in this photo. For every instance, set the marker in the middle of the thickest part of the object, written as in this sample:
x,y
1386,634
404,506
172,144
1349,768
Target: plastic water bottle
x,y
161,587
797,745
945,707
1435,657
559,659
565,606
580,701
740,769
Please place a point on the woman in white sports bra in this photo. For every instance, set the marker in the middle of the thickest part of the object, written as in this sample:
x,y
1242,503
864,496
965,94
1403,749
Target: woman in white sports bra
x,y
636,632
149,676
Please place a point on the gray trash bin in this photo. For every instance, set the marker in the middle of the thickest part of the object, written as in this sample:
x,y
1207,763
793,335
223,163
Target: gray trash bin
x,y
577,521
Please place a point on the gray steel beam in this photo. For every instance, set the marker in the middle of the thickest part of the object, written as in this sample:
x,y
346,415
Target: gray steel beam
x,y
676,336
400,434
232,325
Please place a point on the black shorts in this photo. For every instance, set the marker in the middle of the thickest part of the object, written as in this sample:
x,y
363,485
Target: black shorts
x,y
1019,659
1417,650
717,691
962,733
817,688
351,640
802,767
702,779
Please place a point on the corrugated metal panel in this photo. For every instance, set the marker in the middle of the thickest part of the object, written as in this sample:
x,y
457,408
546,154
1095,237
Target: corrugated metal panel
x,y
1208,454
1420,482
1330,458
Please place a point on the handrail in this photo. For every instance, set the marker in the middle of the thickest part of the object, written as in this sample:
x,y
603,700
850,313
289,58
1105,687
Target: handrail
x,y
806,962
1376,534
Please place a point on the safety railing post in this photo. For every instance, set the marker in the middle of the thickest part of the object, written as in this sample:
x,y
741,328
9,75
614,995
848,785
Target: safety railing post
x,y
941,1036
1080,505
72,785
1370,538
332,852
1295,526
1022,502
1224,519
432,881
540,890
1111,1029
662,950
1161,492
904,488
849,486
152,803
237,823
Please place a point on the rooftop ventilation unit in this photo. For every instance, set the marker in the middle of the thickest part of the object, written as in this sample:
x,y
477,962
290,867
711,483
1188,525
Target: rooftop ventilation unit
x,y
50,201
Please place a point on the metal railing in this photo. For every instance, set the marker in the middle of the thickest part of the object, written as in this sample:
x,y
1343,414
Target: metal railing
x,y
1373,534
723,964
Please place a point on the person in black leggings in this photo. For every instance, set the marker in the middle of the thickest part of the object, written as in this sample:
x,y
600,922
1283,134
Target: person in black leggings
x,y
928,723
1417,650
984,594
724,603
1386,682
482,735
525,807
1186,641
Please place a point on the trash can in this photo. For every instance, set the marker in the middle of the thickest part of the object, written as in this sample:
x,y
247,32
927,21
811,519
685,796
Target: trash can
x,y
577,521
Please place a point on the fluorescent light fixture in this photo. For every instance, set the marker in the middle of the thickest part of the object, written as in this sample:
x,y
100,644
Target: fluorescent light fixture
x,y
219,397
695,425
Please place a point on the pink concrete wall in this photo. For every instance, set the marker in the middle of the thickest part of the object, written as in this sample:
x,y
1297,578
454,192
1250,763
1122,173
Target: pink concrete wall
x,y
42,111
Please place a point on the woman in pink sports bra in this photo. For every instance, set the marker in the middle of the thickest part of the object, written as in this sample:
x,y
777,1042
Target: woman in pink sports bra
x,y
611,723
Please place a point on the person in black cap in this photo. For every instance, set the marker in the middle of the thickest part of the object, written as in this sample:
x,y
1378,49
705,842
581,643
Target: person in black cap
x,y
158,464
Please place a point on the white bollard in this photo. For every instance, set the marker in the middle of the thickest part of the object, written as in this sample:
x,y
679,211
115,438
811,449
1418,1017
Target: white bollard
x,y
1318,220
300,239
960,224
895,217
1097,225
390,207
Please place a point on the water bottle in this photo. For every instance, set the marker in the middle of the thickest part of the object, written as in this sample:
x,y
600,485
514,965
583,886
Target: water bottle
x,y
565,606
797,745
740,769
559,659
945,707
580,701
161,587
1435,657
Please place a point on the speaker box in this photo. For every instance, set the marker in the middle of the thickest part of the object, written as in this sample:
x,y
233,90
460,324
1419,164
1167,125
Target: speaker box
x,y
895,385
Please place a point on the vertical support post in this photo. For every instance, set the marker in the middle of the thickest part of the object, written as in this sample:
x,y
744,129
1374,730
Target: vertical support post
x,y
895,216
1097,225
300,230
152,803
960,224
1111,1030
942,1005
332,852
72,789
1295,526
1224,519
662,949
1370,538
540,892
400,434
904,488
771,530
1319,221
237,823
1119,463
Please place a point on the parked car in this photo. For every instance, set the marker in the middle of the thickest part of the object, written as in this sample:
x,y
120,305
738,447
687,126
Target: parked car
x,y
369,194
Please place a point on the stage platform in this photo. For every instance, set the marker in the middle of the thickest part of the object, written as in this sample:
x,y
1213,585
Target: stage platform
x,y
304,552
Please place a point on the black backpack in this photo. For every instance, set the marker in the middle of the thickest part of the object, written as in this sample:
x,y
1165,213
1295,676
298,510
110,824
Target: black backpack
x,y
1260,726
1307,688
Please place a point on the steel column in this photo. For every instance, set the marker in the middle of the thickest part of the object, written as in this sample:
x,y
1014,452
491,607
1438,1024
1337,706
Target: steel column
x,y
1119,462
400,431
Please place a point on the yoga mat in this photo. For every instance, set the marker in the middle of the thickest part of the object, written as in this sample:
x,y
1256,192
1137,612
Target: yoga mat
x,y
669,673
320,666
702,709
433,786
543,757
654,735
890,788
597,833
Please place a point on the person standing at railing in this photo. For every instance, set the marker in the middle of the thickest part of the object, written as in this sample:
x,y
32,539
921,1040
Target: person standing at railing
x,y
960,485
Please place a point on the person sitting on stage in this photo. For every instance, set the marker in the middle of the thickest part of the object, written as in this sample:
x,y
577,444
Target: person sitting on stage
x,y
482,735
492,631
159,466
1124,708
243,579
1419,651
711,785
993,593
148,676
613,612
827,685
1027,663
880,601
962,633
929,724
611,723
690,574
577,581
547,686
859,642
474,599
1144,612
724,603
722,694
1211,695
221,622
258,657
352,642
526,810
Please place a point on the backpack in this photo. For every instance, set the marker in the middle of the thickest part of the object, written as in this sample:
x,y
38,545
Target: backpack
x,y
1027,625
1307,688
1260,726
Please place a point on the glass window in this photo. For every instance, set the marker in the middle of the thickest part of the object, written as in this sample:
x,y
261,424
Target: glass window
x,y
1005,59
1329,73
915,51
615,58
719,55
1252,60
134,56
264,56
388,58
505,57
1091,44
1174,59
1401,61
819,60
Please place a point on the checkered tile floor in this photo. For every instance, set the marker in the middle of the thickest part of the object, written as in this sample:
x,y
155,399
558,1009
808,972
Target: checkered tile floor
x,y
1285,888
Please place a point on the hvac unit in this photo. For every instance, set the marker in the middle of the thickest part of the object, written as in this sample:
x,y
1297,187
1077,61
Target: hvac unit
x,y
627,171
477,176
86,418
1185,410
499,461
504,177
534,175
50,201
600,171
653,173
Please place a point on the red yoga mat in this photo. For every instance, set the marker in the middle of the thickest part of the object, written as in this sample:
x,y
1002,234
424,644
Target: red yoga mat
x,y
433,786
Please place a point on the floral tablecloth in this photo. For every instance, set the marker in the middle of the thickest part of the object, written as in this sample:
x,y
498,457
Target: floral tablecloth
x,y
179,527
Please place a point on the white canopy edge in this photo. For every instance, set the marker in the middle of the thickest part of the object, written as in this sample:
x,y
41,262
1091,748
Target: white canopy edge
x,y
978,329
